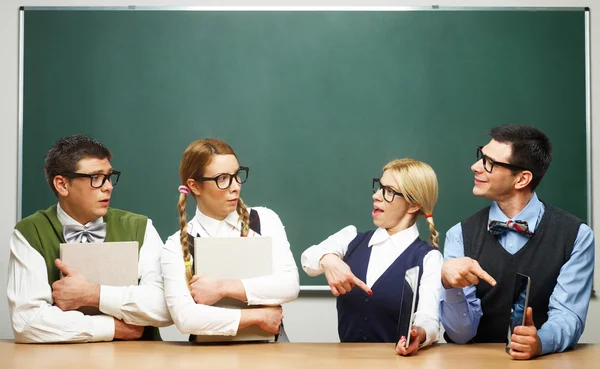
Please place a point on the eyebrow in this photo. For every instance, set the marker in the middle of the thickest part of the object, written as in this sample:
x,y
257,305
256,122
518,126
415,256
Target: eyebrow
x,y
392,187
110,171
220,174
492,159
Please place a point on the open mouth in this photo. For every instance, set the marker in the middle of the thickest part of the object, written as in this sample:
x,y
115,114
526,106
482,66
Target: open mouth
x,y
376,211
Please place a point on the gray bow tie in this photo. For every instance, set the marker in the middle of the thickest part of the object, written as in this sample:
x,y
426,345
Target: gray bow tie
x,y
91,234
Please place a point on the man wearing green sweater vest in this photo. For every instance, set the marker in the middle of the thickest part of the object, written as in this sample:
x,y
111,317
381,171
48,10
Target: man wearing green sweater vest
x,y
43,307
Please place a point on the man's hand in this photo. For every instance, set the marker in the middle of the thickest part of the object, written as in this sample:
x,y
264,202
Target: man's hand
x,y
205,290
525,342
124,331
417,336
463,272
73,290
339,276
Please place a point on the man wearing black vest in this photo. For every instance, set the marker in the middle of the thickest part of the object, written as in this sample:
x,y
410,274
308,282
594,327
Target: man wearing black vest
x,y
517,233
43,307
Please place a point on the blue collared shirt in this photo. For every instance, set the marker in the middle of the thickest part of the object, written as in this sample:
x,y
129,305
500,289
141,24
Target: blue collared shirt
x,y
460,309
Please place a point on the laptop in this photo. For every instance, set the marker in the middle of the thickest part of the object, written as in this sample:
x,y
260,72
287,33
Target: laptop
x,y
104,263
234,258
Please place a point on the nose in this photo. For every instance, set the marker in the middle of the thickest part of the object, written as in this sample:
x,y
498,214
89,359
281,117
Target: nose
x,y
377,195
477,167
107,186
235,186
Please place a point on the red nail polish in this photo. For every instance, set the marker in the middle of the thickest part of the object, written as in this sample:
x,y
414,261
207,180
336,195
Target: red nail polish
x,y
370,292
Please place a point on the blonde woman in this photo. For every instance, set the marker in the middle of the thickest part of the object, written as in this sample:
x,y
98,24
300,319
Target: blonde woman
x,y
366,270
211,174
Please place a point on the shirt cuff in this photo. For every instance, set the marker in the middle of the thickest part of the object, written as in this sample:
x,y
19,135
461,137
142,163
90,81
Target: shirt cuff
x,y
226,328
110,300
453,295
430,337
253,298
103,328
546,340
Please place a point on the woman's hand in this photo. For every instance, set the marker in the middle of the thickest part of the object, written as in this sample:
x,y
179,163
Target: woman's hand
x,y
339,276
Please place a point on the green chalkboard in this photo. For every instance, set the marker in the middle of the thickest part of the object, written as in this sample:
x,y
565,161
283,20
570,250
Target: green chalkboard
x,y
315,103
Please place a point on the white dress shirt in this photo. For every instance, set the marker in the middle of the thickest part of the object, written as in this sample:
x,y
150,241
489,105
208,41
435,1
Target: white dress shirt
x,y
35,319
280,287
385,249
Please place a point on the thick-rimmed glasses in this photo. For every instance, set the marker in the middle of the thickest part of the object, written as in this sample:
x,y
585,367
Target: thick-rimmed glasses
x,y
224,180
97,180
388,192
488,163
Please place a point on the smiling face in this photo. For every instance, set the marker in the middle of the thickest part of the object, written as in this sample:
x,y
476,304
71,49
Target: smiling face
x,y
212,201
78,198
500,183
396,215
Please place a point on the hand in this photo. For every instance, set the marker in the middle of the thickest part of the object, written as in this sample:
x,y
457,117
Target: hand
x,y
270,318
205,290
417,336
73,290
525,342
339,276
124,331
463,272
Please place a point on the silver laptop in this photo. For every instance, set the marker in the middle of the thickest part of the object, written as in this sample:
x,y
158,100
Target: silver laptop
x,y
234,258
105,263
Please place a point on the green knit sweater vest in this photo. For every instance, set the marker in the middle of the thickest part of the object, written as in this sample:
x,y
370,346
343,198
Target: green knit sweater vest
x,y
44,232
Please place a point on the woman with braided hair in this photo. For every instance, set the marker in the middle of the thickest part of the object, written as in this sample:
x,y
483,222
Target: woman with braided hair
x,y
366,270
210,172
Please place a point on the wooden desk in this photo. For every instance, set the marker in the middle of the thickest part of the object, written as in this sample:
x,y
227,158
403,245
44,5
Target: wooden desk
x,y
175,355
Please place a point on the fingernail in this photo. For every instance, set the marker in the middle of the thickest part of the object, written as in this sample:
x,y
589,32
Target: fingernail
x,y
402,338
370,292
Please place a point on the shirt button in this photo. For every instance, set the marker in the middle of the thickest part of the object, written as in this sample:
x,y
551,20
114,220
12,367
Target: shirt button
x,y
367,299
459,293
464,314
364,338
366,318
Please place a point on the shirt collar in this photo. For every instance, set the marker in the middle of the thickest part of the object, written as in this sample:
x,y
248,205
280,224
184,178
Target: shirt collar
x,y
65,219
530,213
211,225
402,238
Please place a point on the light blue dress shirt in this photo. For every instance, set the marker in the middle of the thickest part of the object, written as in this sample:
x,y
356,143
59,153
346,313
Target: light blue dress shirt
x,y
460,309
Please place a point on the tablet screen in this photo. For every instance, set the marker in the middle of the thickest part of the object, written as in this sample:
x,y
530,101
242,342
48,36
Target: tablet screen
x,y
407,306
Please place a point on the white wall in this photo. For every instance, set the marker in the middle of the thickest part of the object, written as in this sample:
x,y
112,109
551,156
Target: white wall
x,y
310,318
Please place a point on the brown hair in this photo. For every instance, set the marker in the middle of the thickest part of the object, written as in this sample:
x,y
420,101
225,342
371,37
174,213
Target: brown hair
x,y
66,153
195,159
418,183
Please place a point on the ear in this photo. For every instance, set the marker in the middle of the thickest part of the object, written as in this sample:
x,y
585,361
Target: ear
x,y
413,209
61,184
523,179
194,186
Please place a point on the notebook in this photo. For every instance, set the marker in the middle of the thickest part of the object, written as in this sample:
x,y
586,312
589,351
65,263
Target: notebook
x,y
105,263
234,258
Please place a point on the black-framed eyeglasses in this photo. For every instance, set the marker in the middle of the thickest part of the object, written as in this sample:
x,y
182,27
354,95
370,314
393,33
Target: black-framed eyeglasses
x,y
97,180
388,192
488,163
224,180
